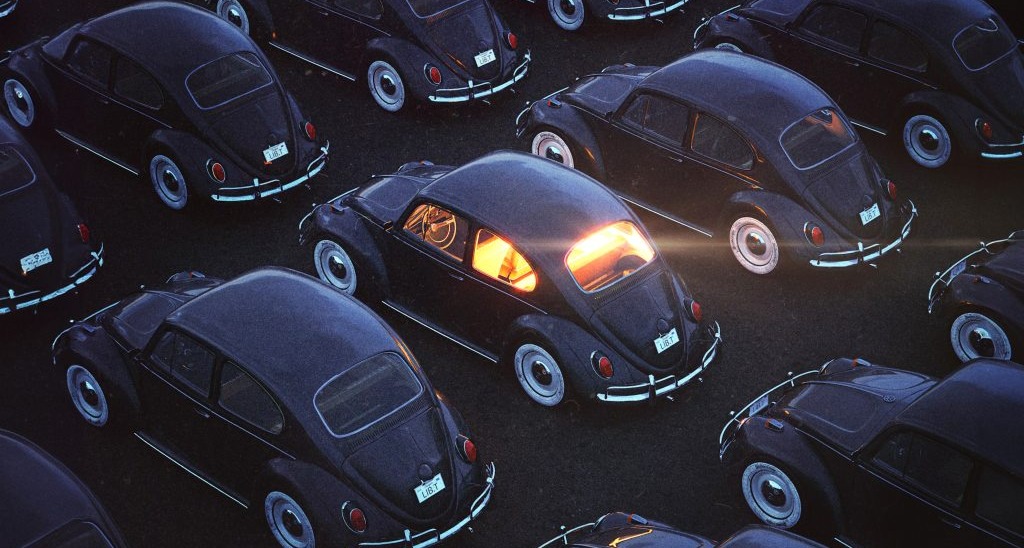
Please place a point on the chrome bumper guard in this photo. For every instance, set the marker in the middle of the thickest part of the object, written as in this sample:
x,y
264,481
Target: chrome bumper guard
x,y
704,22
479,91
7,7
655,388
268,188
1005,155
864,255
943,280
519,117
648,11
566,537
431,537
80,276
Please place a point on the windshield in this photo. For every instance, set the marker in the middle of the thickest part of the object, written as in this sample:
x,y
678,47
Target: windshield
x,y
426,8
981,44
816,138
15,173
226,79
366,393
608,255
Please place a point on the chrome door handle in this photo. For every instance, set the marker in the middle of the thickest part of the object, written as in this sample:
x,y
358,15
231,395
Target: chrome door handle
x,y
201,412
456,277
852,63
952,523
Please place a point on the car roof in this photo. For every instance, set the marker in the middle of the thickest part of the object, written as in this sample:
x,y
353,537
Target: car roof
x,y
937,19
290,330
530,200
972,407
757,96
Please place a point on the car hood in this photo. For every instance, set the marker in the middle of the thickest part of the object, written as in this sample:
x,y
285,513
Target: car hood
x,y
1006,267
390,467
839,193
605,92
463,33
244,131
633,317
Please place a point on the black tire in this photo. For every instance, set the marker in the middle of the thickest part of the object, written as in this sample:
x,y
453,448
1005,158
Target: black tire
x,y
21,102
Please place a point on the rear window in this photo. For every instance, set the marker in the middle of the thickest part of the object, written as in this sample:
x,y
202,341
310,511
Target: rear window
x,y
426,8
816,138
226,79
608,255
366,393
15,173
981,44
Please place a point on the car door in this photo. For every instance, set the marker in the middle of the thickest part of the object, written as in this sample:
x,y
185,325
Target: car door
x,y
142,105
333,33
997,514
722,162
896,62
81,86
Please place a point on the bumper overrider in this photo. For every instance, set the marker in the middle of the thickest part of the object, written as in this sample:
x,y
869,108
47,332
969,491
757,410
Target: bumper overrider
x,y
655,388
13,301
650,9
473,91
431,537
261,189
994,151
865,255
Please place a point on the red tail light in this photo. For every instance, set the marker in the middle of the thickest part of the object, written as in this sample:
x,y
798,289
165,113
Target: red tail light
x,y
602,364
984,128
696,311
216,171
83,232
814,234
513,40
355,519
891,187
467,449
433,74
310,130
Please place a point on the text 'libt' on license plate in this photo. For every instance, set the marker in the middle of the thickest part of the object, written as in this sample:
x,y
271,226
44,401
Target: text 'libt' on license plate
x,y
430,488
35,260
484,57
869,214
666,341
277,151
758,405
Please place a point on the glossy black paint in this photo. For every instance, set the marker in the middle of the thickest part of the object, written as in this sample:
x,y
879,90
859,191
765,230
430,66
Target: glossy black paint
x,y
37,217
542,209
828,432
757,100
347,36
95,113
880,94
291,334
45,504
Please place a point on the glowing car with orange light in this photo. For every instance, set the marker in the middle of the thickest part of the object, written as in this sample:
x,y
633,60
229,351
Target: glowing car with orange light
x,y
436,51
875,456
199,112
525,263
288,397
728,145
48,248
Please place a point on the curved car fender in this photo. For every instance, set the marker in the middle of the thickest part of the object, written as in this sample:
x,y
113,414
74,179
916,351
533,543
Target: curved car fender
x,y
92,345
569,121
27,62
348,228
973,291
782,213
956,113
191,155
320,494
729,27
410,59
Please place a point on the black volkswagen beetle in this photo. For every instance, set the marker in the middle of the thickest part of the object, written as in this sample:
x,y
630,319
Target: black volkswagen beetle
x,y
45,505
48,249
876,456
199,110
981,299
523,262
285,395
571,14
440,51
945,74
614,529
728,144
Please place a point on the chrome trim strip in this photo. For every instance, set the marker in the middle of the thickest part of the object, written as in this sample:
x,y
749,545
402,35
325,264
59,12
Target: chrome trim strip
x,y
80,143
517,75
452,339
256,193
994,156
650,15
707,20
8,11
737,418
310,60
189,470
862,255
53,345
93,265
664,216
530,105
867,127
564,537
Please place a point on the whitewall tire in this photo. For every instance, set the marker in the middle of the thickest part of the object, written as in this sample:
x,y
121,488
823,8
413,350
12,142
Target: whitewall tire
x,y
335,266
927,141
975,335
550,145
87,395
754,245
771,495
539,374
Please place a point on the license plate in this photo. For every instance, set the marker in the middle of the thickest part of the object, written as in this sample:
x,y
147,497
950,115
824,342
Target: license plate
x,y
758,406
484,57
35,260
958,269
430,488
666,341
869,214
275,152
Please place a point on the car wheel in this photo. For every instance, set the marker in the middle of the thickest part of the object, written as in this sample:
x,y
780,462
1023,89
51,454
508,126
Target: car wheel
x,y
975,335
552,146
771,494
927,141
567,14
754,245
21,105
386,85
539,374
234,12
288,522
335,266
87,395
729,46
168,181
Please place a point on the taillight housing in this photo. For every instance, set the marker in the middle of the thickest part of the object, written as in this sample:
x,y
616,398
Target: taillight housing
x,y
512,40
467,449
890,187
602,364
814,234
984,128
696,312
310,130
355,518
432,73
83,232
216,171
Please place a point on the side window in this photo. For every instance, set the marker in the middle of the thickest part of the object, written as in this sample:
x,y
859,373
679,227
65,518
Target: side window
x,y
892,45
366,8
135,84
838,25
243,396
893,452
192,363
636,114
163,353
999,497
926,464
494,257
714,139
440,228
92,61
667,119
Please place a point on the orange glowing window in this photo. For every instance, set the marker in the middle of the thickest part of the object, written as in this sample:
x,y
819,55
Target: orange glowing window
x,y
497,258
608,255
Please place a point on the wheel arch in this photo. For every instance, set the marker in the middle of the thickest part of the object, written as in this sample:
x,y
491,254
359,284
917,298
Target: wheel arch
x,y
956,113
189,153
95,348
406,57
740,31
560,336
348,228
27,63
776,210
571,125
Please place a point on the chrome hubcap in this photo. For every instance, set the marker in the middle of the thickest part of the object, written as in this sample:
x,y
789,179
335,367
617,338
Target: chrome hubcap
x,y
554,153
541,373
89,394
337,267
929,140
292,523
982,343
773,493
756,244
387,85
170,181
568,6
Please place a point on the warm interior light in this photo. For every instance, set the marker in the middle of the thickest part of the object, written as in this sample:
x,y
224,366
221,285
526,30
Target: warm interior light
x,y
607,255
497,258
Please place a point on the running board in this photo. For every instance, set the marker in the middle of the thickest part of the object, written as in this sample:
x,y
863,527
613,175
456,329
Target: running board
x,y
77,142
664,216
468,346
869,127
311,61
169,455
